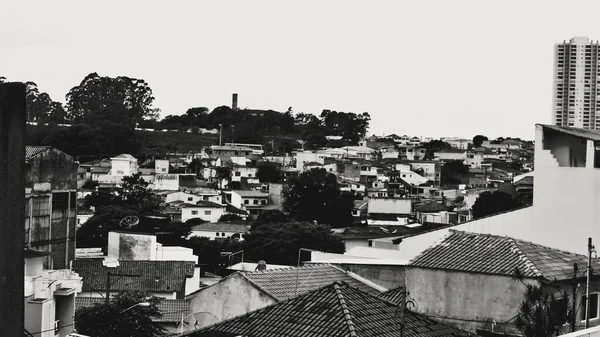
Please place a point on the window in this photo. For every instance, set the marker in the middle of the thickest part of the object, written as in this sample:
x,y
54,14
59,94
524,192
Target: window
x,y
190,198
206,212
255,202
217,234
164,169
263,202
222,234
246,202
593,306
194,212
237,174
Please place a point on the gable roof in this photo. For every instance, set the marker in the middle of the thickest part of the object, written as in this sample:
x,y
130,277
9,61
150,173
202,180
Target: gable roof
x,y
281,283
32,151
169,276
171,309
334,310
500,255
124,156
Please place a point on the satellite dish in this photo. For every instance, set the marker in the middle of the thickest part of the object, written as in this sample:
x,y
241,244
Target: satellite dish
x,y
197,321
129,221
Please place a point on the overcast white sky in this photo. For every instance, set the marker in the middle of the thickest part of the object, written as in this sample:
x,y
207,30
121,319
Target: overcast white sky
x,y
425,68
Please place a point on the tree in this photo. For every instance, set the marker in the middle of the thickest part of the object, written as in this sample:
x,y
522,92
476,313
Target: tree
x,y
478,140
94,232
230,217
489,203
269,172
209,251
543,312
279,243
122,99
315,196
121,317
271,216
454,173
135,193
435,145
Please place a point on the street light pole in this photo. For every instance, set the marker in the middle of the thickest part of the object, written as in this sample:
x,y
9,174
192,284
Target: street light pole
x,y
591,249
142,304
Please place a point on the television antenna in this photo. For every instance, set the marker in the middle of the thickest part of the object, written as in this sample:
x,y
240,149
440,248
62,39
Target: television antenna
x,y
129,221
197,321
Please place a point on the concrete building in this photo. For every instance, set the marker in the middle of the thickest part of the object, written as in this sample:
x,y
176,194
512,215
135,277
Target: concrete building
x,y
575,91
467,279
220,230
205,210
51,204
49,297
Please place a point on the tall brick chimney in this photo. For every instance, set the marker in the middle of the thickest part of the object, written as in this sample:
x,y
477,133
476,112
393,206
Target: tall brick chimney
x,y
234,104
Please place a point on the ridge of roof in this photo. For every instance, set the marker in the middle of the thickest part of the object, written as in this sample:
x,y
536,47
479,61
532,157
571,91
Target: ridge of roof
x,y
345,310
260,287
359,278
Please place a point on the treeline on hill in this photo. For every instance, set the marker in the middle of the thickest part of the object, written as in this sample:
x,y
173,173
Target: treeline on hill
x,y
104,112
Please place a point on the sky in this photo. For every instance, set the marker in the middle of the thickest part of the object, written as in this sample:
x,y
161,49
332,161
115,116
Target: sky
x,y
423,68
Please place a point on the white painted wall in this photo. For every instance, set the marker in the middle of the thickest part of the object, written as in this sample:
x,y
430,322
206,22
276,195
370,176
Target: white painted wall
x,y
209,214
390,205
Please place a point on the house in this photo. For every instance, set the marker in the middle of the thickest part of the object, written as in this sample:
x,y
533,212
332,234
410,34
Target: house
x,y
123,165
349,185
243,171
435,212
49,303
165,279
220,230
467,279
173,181
230,151
565,164
50,204
457,143
205,210
312,165
431,170
240,293
253,201
363,236
173,311
337,309
377,192
307,157
410,152
194,195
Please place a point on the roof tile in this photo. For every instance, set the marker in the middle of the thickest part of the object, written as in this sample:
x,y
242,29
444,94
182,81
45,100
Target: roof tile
x,y
491,254
155,275
334,310
171,309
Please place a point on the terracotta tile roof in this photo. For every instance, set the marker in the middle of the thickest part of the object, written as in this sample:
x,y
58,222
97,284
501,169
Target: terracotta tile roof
x,y
334,310
373,232
155,275
281,282
172,310
251,194
32,151
491,254
395,295
234,210
431,207
221,227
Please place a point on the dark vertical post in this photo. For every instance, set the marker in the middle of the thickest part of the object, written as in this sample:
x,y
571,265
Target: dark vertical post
x,y
574,310
107,299
12,207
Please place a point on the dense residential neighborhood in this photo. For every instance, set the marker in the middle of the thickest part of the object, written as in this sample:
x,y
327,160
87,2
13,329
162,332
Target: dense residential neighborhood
x,y
245,222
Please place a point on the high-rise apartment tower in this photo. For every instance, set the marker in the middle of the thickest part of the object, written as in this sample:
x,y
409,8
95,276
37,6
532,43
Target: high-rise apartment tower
x,y
576,84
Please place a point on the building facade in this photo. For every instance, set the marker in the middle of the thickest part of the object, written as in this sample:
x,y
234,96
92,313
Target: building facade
x,y
575,84
51,204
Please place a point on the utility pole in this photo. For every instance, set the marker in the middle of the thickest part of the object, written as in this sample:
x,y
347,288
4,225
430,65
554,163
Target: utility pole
x,y
587,288
574,318
220,133
12,207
